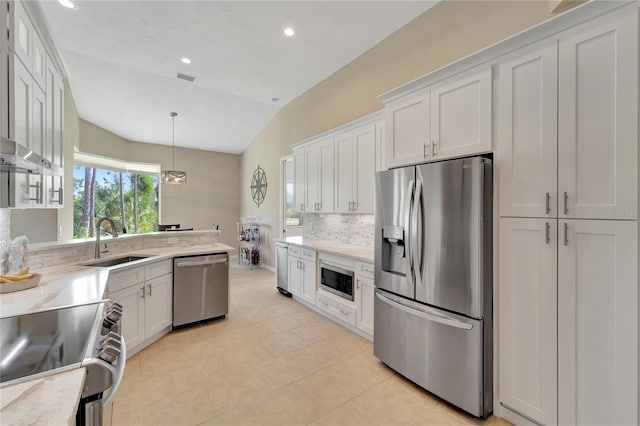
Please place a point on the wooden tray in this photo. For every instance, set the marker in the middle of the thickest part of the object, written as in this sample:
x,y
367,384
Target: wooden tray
x,y
20,285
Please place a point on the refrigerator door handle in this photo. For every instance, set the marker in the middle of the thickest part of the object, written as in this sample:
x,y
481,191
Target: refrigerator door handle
x,y
415,254
426,315
408,234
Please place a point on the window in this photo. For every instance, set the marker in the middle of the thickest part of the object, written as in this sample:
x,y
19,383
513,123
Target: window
x,y
105,187
292,220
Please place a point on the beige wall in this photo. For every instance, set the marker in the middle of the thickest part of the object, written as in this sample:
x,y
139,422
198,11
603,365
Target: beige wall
x,y
213,179
447,32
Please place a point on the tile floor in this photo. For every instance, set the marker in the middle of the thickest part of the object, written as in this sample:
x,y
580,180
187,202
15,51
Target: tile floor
x,y
271,362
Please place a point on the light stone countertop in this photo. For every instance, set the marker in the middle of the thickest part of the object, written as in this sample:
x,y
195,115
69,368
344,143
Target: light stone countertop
x,y
362,254
54,399
50,400
71,285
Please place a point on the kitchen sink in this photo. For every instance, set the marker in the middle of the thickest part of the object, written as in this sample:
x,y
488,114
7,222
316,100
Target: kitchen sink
x,y
113,262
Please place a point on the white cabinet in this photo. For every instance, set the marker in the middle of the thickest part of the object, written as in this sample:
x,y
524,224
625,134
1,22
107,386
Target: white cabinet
x,y
461,116
54,136
528,317
21,103
146,294
39,63
598,322
355,170
22,34
318,172
158,304
381,162
302,273
337,308
365,291
408,130
132,301
427,125
4,71
527,151
598,120
299,191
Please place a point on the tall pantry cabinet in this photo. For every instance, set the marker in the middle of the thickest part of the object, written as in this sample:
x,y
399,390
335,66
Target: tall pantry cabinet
x,y
568,247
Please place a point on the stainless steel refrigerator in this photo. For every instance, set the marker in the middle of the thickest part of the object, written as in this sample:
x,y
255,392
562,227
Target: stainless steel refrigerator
x,y
433,277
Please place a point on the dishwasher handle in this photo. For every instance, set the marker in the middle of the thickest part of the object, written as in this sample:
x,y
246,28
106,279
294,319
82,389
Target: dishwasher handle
x,y
202,263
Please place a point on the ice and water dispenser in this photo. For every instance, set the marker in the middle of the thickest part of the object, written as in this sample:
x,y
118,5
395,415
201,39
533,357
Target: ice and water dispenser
x,y
393,250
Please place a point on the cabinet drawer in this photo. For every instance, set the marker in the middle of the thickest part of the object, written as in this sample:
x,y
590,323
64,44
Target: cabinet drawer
x,y
308,254
337,309
365,270
157,269
295,251
123,279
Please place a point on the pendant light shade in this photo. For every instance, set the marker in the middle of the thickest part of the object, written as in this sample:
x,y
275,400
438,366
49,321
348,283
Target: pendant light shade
x,y
173,177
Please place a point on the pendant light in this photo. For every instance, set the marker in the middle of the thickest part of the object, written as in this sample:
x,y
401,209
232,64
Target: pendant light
x,y
174,177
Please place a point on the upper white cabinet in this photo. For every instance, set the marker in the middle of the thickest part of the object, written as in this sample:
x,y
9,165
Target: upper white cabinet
x,y
299,192
355,170
598,322
598,120
408,131
21,104
318,177
461,116
527,149
528,314
22,34
54,136
450,119
4,71
381,131
39,64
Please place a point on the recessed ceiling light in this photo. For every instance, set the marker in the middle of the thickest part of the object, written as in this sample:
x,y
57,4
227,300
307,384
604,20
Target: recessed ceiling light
x,y
67,3
289,32
186,60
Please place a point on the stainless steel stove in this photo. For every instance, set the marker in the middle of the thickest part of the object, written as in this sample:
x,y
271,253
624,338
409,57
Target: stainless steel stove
x,y
50,342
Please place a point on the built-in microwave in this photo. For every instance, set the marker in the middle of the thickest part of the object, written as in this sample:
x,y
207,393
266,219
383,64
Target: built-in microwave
x,y
336,280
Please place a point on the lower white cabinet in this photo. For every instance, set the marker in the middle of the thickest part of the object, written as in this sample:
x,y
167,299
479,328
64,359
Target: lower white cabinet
x,y
342,310
528,317
568,328
302,274
365,291
598,322
147,304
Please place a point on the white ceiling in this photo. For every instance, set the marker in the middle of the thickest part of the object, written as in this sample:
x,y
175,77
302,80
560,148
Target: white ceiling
x,y
123,57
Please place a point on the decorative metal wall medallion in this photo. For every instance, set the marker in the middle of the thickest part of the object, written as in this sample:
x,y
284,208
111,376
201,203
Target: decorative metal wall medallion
x,y
259,186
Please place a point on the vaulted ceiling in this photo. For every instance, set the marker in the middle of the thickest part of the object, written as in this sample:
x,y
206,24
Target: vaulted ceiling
x,y
123,57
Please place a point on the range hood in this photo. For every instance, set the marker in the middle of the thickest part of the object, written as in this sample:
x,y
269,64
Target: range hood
x,y
19,159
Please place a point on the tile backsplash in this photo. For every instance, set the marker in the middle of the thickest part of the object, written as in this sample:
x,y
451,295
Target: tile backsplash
x,y
356,229
5,233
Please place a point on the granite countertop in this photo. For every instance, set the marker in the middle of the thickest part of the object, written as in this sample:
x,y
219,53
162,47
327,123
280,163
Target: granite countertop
x,y
363,254
54,399
50,400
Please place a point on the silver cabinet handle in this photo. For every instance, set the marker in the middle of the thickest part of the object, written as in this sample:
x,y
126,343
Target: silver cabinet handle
x,y
302,206
358,285
38,187
566,203
433,148
355,206
143,294
566,233
547,238
426,315
425,153
548,203
149,289
60,196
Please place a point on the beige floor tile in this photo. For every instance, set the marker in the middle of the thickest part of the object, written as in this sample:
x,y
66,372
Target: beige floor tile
x,y
272,361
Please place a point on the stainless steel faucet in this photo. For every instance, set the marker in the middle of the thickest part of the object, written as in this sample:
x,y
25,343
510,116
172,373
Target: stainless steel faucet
x,y
114,233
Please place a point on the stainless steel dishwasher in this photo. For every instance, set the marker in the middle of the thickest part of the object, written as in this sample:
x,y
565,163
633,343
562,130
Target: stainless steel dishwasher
x,y
200,288
282,265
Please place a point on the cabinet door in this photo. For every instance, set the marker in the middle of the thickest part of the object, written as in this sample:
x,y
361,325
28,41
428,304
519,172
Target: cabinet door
x,y
132,301
325,203
312,178
381,163
54,136
598,120
364,169
344,162
22,33
528,317
365,291
308,281
598,322
4,72
295,276
38,120
39,64
408,130
527,152
461,116
20,112
299,185
158,305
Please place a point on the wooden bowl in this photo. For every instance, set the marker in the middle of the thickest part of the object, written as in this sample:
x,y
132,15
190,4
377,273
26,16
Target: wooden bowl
x,y
20,285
